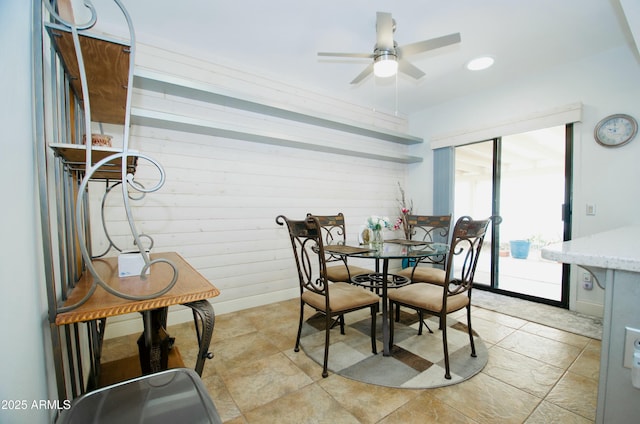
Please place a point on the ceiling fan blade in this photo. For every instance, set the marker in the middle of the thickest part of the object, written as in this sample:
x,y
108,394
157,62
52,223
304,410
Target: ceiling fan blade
x,y
363,55
426,45
368,70
384,31
410,69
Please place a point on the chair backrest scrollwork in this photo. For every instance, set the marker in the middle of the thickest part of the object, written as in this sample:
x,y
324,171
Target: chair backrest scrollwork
x,y
308,251
333,232
466,244
430,229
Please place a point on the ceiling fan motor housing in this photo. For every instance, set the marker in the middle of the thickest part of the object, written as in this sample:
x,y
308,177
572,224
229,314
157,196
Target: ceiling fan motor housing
x,y
386,54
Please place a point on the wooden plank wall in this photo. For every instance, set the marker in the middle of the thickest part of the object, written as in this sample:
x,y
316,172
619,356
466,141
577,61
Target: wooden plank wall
x,y
221,196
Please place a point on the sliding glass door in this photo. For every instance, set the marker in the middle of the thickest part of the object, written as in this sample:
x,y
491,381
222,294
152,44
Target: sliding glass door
x,y
525,179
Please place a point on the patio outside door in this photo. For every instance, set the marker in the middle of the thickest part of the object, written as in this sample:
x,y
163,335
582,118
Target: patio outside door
x,y
523,179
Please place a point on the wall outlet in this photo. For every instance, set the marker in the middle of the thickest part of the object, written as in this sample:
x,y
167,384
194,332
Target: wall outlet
x,y
631,343
587,281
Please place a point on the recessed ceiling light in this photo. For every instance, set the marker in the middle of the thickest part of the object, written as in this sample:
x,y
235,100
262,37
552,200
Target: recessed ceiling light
x,y
480,63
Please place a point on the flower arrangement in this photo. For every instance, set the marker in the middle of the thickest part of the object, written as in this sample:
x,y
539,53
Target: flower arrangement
x,y
401,221
377,223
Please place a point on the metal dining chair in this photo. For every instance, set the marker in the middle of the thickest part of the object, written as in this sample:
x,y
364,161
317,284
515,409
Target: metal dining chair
x,y
455,293
427,228
334,232
331,299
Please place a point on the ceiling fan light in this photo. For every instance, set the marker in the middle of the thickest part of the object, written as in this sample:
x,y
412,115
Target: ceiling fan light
x,y
385,65
480,63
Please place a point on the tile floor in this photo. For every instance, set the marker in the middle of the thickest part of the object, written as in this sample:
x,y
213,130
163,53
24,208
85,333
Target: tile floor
x,y
535,374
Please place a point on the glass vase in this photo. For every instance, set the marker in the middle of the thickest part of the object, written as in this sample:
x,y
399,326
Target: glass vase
x,y
376,238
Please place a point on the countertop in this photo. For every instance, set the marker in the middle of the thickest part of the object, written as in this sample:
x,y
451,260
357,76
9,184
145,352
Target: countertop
x,y
617,249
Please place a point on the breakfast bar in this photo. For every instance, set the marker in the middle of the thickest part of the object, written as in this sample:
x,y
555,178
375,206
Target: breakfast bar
x,y
613,258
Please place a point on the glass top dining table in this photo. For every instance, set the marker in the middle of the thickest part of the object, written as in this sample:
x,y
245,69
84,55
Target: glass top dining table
x,y
381,280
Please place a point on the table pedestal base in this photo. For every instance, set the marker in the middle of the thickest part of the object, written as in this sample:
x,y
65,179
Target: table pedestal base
x,y
381,282
155,343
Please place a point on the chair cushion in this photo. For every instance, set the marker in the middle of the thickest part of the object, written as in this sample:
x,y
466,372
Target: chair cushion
x,y
342,297
427,297
425,274
338,273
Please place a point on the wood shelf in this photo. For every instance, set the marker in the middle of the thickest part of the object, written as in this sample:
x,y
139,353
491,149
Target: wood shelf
x,y
74,158
107,69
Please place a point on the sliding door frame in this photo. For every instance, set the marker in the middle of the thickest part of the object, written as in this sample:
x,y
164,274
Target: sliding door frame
x,y
495,205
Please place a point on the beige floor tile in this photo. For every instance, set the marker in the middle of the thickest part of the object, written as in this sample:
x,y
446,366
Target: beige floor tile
x,y
595,344
488,400
490,331
460,315
588,363
255,383
357,398
577,394
555,334
226,406
281,327
548,413
238,420
282,337
306,364
242,350
426,409
232,325
310,404
274,315
541,348
256,377
527,374
498,318
119,348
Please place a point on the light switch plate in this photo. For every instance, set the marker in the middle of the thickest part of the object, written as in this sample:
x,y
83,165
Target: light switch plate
x,y
631,336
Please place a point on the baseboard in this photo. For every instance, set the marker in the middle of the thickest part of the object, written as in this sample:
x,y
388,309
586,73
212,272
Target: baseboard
x,y
588,308
132,323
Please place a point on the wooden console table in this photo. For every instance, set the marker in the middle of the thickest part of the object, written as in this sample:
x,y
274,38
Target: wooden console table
x,y
191,289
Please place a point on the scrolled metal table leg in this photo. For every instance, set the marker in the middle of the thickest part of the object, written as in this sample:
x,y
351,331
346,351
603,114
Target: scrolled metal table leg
x,y
203,310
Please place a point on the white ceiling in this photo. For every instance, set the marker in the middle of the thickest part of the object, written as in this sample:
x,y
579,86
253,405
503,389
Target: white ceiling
x,y
280,39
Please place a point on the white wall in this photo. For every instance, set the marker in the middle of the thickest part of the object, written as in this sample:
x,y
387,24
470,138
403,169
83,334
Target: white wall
x,y
23,310
604,84
221,197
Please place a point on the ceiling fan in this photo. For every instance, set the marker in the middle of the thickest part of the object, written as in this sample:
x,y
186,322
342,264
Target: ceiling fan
x,y
388,57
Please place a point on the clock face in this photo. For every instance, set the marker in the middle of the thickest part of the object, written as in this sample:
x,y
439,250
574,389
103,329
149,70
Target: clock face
x,y
616,130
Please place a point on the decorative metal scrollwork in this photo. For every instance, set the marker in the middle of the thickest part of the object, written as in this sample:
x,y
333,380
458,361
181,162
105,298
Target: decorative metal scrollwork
x,y
127,182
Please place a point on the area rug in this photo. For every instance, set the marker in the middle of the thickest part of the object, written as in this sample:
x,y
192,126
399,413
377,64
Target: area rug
x,y
416,362
551,316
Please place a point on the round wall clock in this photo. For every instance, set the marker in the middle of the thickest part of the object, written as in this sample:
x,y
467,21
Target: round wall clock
x,y
616,130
